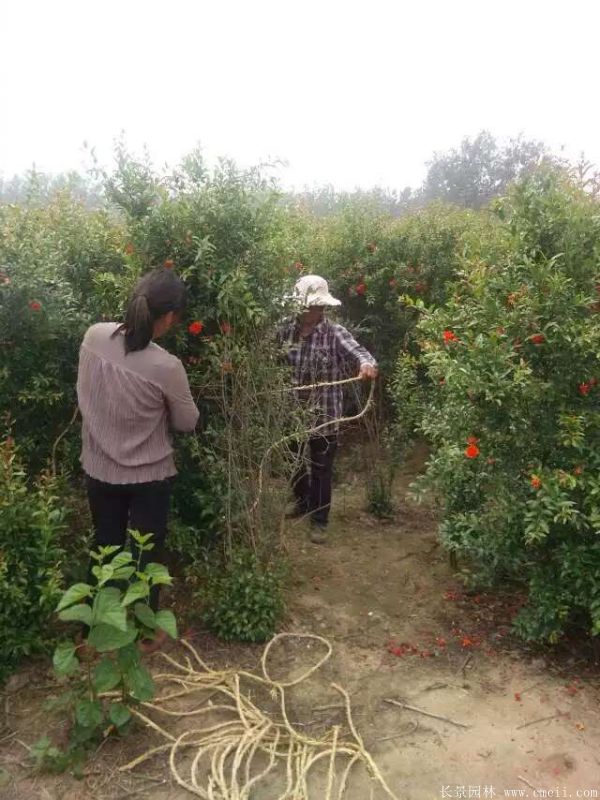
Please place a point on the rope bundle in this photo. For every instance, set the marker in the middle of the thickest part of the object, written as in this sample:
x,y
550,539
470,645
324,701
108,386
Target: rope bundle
x,y
249,747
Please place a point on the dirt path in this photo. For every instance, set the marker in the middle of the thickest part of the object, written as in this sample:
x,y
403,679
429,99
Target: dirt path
x,y
403,630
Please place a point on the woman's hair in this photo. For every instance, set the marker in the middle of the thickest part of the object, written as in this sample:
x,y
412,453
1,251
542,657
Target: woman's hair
x,y
155,294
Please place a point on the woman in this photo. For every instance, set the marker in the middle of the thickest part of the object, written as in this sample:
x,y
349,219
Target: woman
x,y
130,392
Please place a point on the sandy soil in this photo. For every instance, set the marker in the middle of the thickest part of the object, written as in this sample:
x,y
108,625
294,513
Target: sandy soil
x,y
402,629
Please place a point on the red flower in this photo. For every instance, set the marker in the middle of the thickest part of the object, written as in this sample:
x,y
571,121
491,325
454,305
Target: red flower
x,y
518,697
537,338
225,328
466,641
129,249
360,288
450,336
169,263
472,451
440,641
196,327
34,305
536,482
584,388
578,470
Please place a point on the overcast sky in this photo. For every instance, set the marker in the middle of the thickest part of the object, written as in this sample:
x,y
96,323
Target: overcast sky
x,y
346,93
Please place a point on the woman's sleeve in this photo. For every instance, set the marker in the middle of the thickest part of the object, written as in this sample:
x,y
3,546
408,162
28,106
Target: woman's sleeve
x,y
183,411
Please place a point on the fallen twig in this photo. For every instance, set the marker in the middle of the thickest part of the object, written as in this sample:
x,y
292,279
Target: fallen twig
x,y
541,719
398,735
426,713
531,786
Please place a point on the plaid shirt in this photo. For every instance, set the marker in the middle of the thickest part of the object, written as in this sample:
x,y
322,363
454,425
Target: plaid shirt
x,y
329,354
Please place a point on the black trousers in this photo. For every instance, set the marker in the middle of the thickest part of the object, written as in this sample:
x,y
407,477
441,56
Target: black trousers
x,y
312,488
138,506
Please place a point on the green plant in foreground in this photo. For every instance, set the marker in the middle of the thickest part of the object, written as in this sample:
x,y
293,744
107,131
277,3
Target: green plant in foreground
x,y
245,601
116,613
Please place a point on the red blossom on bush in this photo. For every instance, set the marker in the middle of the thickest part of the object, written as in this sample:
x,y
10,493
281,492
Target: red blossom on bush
x,y
169,263
537,338
585,388
225,328
34,305
472,451
518,697
536,482
360,289
449,336
196,327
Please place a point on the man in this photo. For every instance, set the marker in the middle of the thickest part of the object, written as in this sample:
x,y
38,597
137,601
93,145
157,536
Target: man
x,y
319,351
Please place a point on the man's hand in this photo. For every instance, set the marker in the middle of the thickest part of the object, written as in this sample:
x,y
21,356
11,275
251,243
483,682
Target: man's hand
x,y
368,372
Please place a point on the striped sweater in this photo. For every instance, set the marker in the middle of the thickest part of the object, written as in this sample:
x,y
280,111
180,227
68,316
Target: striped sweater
x,y
128,404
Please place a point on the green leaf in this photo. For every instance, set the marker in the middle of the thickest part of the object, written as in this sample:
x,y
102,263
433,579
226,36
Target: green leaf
x,y
105,637
74,594
88,713
158,573
165,620
119,714
79,613
108,610
128,657
123,573
137,591
122,559
140,683
140,538
145,615
64,660
106,675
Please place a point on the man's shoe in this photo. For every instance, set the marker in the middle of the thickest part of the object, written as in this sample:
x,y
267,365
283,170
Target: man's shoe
x,y
318,533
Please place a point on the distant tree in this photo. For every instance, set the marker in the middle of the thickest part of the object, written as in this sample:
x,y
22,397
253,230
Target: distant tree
x,y
481,169
39,188
325,200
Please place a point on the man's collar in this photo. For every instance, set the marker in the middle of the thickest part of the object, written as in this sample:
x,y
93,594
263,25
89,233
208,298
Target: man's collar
x,y
318,327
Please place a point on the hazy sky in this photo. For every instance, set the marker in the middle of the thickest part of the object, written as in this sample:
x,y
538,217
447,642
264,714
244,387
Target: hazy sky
x,y
352,93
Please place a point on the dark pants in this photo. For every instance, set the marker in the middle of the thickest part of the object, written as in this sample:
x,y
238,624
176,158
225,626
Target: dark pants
x,y
143,507
312,490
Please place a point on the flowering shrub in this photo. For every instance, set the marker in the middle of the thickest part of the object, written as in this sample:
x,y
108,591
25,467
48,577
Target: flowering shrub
x,y
516,440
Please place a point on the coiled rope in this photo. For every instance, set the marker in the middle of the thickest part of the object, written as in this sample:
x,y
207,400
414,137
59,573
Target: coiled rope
x,y
230,755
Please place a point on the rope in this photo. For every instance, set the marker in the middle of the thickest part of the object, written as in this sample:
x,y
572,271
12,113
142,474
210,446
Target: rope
x,y
311,431
249,746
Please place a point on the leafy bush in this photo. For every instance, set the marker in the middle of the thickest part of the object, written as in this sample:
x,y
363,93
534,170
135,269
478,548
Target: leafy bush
x,y
514,411
115,613
244,600
32,521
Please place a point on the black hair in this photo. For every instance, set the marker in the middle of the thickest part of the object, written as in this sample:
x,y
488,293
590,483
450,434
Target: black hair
x,y
155,294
